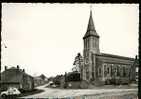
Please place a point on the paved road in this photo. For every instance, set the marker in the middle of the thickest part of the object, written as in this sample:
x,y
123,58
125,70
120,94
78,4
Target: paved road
x,y
60,93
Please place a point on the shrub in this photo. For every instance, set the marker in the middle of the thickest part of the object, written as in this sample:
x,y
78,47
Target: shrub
x,y
74,76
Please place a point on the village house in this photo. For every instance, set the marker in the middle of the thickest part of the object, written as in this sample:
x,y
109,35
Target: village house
x,y
40,80
16,77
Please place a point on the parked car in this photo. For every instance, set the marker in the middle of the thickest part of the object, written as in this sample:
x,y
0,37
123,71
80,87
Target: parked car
x,y
10,91
54,86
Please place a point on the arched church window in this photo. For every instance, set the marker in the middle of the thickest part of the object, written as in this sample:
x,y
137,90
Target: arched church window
x,y
118,72
105,71
121,70
127,71
99,71
87,73
93,42
124,72
111,69
108,70
96,43
115,70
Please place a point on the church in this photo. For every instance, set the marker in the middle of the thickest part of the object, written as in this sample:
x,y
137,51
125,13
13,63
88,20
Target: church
x,y
103,68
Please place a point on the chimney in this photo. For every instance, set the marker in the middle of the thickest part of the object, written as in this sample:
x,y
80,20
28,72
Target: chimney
x,y
5,67
18,67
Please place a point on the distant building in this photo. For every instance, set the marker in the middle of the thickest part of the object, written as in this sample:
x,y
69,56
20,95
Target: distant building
x,y
71,80
40,80
102,68
16,77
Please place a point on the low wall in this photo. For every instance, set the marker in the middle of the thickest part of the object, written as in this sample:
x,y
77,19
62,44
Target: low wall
x,y
78,84
74,85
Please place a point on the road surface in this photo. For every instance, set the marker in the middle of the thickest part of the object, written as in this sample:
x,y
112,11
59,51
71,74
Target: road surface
x,y
62,93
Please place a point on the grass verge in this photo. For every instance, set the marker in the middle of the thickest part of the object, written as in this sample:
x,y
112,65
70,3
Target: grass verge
x,y
26,93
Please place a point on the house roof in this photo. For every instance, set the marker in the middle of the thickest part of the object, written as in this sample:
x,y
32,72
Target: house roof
x,y
13,74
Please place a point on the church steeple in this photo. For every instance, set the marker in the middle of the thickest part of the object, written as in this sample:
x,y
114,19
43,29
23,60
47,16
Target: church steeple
x,y
91,28
91,38
91,47
91,23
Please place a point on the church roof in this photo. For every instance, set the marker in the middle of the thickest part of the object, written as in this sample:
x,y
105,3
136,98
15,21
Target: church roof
x,y
115,56
91,28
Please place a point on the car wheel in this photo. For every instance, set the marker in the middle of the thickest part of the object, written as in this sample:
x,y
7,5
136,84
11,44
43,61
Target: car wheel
x,y
4,96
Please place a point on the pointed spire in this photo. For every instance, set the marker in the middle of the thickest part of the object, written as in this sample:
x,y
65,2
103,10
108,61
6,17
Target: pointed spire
x,y
91,28
91,23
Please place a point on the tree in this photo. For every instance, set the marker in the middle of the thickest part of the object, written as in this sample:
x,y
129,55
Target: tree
x,y
43,76
78,63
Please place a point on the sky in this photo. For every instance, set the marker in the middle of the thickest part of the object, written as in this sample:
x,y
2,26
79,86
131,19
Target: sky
x,y
44,38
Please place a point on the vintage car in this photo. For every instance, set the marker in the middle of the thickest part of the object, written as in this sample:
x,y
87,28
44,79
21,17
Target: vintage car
x,y
10,91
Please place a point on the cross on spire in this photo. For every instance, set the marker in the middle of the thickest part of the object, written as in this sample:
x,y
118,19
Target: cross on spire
x,y
90,10
90,7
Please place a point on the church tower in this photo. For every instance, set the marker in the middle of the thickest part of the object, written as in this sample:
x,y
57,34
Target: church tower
x,y
91,38
91,47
